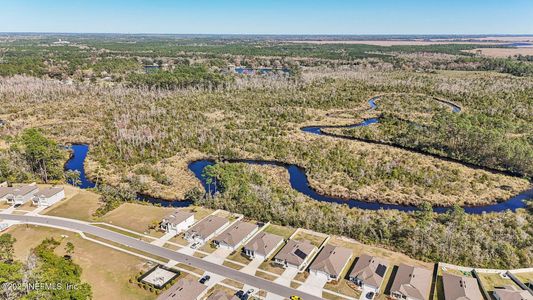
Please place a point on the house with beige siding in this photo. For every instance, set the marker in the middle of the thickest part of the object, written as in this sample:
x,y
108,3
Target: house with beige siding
x,y
177,222
48,196
19,195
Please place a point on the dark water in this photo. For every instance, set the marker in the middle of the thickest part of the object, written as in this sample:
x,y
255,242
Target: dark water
x,y
79,153
298,179
299,182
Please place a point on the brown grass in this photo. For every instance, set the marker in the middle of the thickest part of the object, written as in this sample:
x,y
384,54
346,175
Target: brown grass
x,y
394,258
81,205
343,287
307,236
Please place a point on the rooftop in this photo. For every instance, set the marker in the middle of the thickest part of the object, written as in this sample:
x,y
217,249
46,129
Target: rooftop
x,y
49,192
413,282
263,243
332,260
295,252
178,217
184,289
236,233
17,191
512,293
460,287
208,226
370,270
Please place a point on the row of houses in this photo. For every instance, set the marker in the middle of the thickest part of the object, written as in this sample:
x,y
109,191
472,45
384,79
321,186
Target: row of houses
x,y
22,194
368,272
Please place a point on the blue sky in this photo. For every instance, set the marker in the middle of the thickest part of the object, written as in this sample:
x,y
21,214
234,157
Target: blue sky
x,y
269,16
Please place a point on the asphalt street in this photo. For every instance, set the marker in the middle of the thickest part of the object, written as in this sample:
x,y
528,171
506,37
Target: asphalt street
x,y
221,270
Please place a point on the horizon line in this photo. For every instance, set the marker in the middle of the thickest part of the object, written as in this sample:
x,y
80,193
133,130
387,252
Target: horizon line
x,y
281,34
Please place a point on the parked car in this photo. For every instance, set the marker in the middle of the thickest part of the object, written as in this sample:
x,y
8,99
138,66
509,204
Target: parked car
x,y
239,294
17,205
369,295
195,245
296,298
205,279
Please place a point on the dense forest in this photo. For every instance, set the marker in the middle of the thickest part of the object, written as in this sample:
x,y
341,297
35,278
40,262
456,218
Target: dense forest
x,y
498,240
45,275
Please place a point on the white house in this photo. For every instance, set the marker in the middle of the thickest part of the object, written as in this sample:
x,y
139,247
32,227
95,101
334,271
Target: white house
x,y
177,222
49,196
21,195
233,237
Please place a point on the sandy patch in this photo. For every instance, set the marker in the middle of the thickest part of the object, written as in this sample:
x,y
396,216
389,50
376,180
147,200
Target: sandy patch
x,y
388,43
502,52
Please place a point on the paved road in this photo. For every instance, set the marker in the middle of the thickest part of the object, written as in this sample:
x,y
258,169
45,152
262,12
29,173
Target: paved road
x,y
221,270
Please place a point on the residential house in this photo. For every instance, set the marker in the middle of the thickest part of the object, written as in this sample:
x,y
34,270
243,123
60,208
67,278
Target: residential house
x,y
49,196
21,195
233,237
460,287
206,229
509,292
262,245
185,288
331,262
411,283
295,254
368,272
177,222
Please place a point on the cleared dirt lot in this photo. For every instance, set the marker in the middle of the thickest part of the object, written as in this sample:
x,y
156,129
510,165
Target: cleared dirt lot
x,y
503,52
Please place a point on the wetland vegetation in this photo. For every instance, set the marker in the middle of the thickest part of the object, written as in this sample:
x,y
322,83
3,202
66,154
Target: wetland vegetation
x,y
145,127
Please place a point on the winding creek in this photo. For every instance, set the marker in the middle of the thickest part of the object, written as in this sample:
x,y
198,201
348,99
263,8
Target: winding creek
x,y
298,178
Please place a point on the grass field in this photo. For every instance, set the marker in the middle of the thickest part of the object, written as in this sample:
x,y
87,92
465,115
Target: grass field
x,y
394,258
80,206
106,270
139,218
491,281
314,239
524,277
282,231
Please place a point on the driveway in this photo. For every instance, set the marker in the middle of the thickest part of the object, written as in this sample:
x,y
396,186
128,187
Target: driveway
x,y
286,277
218,256
314,284
252,266
162,240
221,270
